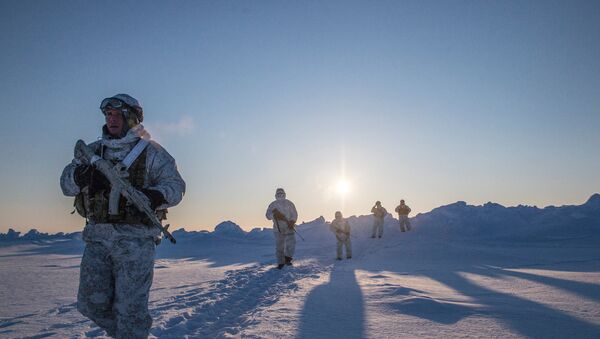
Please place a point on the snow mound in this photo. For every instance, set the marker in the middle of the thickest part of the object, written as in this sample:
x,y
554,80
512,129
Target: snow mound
x,y
492,221
593,202
229,229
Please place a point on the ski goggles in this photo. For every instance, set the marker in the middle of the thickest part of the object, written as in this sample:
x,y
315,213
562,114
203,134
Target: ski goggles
x,y
112,102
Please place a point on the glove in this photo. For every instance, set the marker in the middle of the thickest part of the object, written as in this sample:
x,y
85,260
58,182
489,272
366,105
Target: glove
x,y
83,175
291,224
156,198
86,175
278,215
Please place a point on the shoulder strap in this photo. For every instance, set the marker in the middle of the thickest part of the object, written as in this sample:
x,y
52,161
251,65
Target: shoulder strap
x,y
135,153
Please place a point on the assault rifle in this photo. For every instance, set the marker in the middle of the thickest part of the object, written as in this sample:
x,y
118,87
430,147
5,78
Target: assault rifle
x,y
119,185
344,232
291,225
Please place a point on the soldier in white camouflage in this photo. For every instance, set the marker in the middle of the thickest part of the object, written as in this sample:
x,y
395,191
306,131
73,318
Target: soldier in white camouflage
x,y
284,215
118,261
403,211
378,215
341,229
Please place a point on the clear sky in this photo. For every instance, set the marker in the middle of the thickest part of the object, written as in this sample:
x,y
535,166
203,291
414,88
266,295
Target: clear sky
x,y
430,101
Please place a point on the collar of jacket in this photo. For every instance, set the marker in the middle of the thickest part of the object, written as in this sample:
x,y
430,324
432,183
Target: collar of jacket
x,y
133,135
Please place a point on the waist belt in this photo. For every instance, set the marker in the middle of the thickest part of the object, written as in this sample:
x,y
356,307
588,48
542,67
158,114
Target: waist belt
x,y
121,219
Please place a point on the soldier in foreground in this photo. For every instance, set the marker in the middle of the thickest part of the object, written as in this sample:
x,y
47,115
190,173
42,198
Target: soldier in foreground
x,y
118,262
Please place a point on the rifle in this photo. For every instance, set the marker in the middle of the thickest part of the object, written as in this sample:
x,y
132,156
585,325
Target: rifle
x,y
120,186
294,228
344,232
285,219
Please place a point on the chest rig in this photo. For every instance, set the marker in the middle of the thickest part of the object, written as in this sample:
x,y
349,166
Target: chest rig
x,y
96,207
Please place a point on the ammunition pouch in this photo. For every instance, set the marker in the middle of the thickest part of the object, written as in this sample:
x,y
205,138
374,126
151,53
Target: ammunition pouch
x,y
95,209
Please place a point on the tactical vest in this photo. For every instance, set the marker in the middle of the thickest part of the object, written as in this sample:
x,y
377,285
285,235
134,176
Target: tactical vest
x,y
94,205
379,213
403,210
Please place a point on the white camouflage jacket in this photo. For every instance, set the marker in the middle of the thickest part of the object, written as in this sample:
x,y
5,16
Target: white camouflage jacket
x,y
161,175
283,205
341,229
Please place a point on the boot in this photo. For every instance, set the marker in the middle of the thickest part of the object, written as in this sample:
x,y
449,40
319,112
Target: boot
x,y
288,261
280,266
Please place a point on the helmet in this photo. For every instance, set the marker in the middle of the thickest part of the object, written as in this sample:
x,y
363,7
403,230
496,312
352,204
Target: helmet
x,y
130,102
280,193
402,201
338,214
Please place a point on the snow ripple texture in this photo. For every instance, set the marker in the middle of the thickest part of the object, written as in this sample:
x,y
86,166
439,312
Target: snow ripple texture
x,y
224,307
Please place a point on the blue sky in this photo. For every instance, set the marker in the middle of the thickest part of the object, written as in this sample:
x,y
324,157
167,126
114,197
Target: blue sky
x,y
430,101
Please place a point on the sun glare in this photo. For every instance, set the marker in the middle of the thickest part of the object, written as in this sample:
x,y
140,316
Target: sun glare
x,y
343,186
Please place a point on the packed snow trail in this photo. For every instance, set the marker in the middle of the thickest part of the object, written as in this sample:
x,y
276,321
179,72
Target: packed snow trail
x,y
225,306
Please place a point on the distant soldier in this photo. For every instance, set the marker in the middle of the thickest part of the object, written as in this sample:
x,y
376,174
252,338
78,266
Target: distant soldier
x,y
403,212
284,216
378,213
341,228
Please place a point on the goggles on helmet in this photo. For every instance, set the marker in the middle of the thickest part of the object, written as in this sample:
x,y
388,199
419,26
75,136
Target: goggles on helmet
x,y
112,102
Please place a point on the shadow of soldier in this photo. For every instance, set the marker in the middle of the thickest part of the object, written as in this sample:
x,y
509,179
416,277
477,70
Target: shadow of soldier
x,y
334,309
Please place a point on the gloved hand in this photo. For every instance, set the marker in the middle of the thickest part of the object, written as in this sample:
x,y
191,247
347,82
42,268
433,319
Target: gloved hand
x,y
278,215
83,175
156,198
86,175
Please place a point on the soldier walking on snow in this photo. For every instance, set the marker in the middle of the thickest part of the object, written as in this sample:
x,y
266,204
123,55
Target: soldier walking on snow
x,y
341,228
378,213
403,211
284,216
118,262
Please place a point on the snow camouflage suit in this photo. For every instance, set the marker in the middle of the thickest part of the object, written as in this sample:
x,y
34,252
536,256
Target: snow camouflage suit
x,y
341,229
378,214
285,239
118,261
403,211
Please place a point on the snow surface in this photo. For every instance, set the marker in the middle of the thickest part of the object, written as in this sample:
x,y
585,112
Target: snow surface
x,y
463,271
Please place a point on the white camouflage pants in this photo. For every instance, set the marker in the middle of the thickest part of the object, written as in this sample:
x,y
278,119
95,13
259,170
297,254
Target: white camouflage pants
x,y
404,223
114,284
377,227
285,242
344,242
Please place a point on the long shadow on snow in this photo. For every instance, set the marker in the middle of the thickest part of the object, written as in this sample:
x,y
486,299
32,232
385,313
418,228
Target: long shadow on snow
x,y
530,318
335,309
586,290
